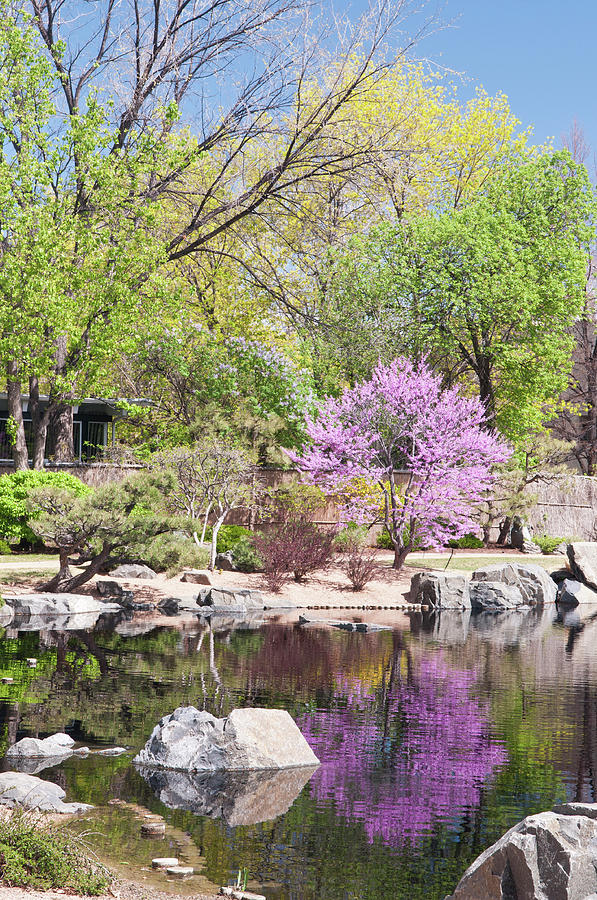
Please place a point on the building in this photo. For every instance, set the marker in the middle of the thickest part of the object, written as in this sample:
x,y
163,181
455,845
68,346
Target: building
x,y
94,426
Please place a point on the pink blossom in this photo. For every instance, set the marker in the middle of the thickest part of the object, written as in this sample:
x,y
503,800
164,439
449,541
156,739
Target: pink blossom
x,y
402,420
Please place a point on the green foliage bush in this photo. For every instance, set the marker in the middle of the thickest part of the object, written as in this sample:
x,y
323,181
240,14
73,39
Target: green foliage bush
x,y
228,537
5,548
468,541
347,537
245,556
384,542
171,553
34,855
15,490
548,544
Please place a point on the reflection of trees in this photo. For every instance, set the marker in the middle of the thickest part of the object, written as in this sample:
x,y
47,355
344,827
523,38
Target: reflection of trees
x,y
417,747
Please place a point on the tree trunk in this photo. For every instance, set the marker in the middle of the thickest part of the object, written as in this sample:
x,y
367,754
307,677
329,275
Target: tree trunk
x,y
61,427
65,582
61,414
39,424
63,576
400,554
20,453
504,531
214,542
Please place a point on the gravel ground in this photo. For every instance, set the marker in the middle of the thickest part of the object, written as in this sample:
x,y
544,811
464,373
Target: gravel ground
x,y
121,890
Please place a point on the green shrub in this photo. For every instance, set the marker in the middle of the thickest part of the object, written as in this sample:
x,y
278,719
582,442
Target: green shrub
x,y
245,556
14,493
228,536
36,855
384,542
171,553
468,541
352,535
549,544
5,548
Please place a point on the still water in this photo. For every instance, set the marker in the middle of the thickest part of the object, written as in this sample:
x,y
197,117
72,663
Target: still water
x,y
434,738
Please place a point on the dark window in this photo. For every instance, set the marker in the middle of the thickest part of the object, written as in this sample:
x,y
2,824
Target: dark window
x,y
5,444
97,438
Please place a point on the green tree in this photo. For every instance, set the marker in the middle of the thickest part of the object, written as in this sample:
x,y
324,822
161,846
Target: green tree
x,y
487,292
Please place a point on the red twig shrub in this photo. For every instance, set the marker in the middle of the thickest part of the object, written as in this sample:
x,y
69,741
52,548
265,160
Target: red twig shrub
x,y
360,564
296,546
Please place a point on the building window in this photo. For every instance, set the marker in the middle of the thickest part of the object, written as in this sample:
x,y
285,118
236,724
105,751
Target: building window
x,y
5,444
97,440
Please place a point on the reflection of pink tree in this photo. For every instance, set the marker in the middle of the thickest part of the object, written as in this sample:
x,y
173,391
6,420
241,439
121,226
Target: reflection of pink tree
x,y
421,757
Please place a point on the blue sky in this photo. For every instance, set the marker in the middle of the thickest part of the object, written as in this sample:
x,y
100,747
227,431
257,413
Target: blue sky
x,y
541,53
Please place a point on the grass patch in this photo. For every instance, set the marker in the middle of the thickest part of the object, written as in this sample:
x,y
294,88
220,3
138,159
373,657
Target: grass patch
x,y
470,563
23,576
12,558
41,855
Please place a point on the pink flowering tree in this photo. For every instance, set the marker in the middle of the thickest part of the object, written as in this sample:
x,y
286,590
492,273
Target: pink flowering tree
x,y
401,421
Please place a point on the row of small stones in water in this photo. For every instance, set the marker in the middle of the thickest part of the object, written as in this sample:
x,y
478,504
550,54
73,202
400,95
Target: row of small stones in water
x,y
408,606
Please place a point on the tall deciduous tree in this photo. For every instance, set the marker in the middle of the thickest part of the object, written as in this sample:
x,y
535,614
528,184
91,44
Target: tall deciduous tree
x,y
110,149
487,292
401,419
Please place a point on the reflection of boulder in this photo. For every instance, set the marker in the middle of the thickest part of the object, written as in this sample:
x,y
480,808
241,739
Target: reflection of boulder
x,y
240,798
448,626
48,604
544,857
78,622
251,738
513,628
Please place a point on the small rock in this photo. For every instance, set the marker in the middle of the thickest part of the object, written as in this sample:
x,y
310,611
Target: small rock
x,y
225,562
8,681
82,751
133,571
195,576
154,829
164,862
169,606
111,751
180,871
32,662
573,592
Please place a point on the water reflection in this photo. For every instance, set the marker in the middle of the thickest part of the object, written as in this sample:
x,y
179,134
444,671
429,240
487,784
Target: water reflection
x,y
434,738
407,752
239,798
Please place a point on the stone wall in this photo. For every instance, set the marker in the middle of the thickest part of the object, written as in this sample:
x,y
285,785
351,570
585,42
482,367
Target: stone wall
x,y
566,507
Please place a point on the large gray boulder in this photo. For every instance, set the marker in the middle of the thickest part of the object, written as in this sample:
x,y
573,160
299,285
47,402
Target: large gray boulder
x,y
495,596
550,856
133,570
48,604
29,792
6,615
573,592
440,590
240,798
36,748
532,581
582,556
239,600
192,741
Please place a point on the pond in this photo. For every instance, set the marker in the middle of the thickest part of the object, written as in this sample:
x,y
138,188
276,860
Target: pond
x,y
434,738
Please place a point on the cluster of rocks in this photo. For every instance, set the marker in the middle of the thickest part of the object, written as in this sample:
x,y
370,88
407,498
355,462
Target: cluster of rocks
x,y
31,755
512,585
504,586
549,856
